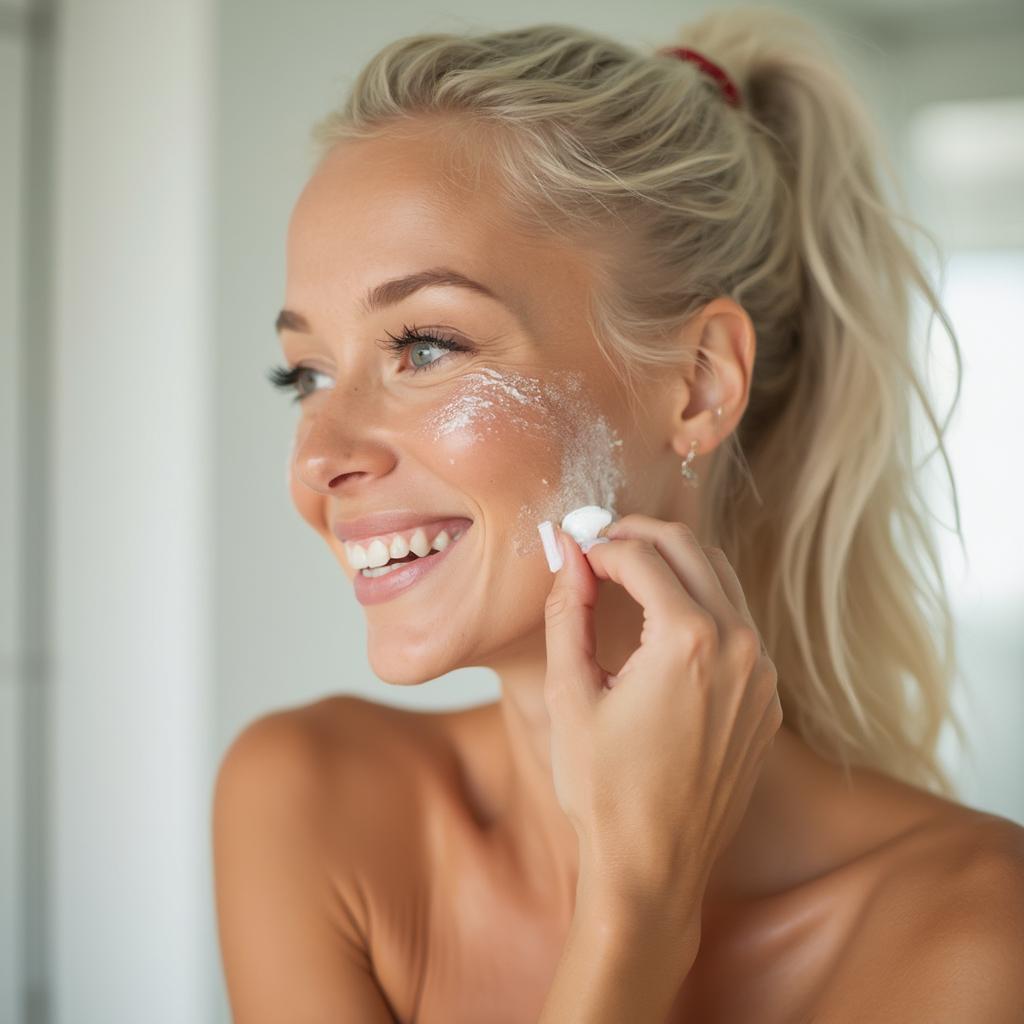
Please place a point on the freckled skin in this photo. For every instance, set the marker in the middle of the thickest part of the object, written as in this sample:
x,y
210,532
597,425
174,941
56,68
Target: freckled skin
x,y
469,876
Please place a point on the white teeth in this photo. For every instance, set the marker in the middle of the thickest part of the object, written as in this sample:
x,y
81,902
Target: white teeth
x,y
377,554
418,543
356,556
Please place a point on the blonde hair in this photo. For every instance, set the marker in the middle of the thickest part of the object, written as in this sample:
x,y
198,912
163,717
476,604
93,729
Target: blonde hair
x,y
676,198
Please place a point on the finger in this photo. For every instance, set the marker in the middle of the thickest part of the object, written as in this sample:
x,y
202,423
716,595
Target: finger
x,y
679,547
572,669
731,584
639,567
728,579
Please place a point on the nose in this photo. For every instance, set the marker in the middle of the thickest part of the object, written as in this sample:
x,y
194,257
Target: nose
x,y
334,448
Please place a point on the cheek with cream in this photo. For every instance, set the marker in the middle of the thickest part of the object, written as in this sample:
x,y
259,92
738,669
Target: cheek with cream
x,y
554,448
589,472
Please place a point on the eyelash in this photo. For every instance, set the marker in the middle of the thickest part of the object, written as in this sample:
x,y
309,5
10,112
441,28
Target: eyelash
x,y
287,378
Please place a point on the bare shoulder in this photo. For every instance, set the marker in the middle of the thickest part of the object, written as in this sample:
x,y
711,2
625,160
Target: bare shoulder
x,y
967,864
291,750
298,802
335,731
941,926
341,752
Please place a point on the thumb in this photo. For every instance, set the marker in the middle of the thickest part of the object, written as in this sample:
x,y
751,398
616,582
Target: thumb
x,y
573,675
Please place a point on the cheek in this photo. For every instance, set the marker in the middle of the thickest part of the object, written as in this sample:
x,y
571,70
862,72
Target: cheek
x,y
588,470
528,449
497,433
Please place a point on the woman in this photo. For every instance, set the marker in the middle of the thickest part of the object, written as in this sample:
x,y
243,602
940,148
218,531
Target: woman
x,y
536,270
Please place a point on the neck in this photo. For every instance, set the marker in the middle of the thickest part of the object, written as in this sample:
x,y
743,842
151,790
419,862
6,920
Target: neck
x,y
529,817
529,820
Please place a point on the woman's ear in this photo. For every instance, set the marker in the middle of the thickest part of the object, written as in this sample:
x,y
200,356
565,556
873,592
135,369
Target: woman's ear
x,y
723,344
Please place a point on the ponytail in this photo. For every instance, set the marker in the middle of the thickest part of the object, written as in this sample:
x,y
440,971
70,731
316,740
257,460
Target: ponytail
x,y
853,603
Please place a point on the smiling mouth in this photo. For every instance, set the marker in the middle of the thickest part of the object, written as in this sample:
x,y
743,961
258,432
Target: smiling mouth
x,y
393,564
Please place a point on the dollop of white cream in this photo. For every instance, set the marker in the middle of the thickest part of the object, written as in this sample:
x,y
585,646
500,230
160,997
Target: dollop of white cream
x,y
583,524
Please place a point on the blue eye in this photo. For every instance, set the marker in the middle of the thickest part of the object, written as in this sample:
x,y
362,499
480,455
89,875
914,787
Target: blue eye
x,y
290,378
417,341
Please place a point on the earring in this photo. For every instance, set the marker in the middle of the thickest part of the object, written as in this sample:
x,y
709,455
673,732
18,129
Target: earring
x,y
689,475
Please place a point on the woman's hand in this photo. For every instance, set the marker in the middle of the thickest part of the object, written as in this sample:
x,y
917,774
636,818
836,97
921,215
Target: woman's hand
x,y
654,766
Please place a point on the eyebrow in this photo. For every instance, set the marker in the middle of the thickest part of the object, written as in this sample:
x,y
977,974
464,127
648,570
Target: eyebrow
x,y
389,293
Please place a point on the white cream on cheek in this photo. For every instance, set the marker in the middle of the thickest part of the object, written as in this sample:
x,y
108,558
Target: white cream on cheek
x,y
554,412
591,474
486,397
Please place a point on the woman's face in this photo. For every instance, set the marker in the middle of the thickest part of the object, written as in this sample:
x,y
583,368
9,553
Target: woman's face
x,y
523,421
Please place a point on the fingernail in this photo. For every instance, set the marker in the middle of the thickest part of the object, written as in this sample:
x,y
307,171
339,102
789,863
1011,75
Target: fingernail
x,y
551,549
588,544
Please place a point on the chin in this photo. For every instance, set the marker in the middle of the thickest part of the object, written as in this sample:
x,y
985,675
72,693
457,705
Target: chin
x,y
395,675
397,665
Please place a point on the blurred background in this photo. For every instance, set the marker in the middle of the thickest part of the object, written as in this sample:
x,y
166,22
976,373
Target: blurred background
x,y
158,589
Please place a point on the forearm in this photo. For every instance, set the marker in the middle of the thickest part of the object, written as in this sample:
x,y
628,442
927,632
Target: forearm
x,y
617,967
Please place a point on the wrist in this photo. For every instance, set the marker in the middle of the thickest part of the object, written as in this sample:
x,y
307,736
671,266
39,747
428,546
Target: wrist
x,y
618,964
621,919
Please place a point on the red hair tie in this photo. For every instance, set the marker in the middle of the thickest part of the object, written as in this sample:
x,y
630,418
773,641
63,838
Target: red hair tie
x,y
725,83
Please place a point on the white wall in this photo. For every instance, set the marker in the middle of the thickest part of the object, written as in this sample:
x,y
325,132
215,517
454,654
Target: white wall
x,y
13,72
131,459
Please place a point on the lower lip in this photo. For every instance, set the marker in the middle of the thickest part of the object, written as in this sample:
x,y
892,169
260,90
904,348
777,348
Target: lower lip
x,y
377,589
